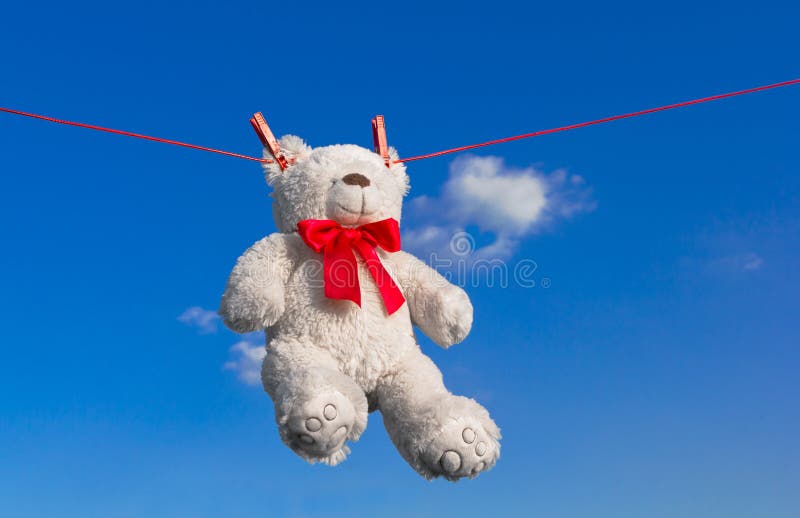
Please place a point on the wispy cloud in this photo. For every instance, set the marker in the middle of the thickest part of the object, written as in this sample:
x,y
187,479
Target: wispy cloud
x,y
246,357
740,245
205,320
742,262
508,203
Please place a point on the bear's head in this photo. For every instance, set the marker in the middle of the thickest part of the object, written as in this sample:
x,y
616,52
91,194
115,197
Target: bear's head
x,y
345,183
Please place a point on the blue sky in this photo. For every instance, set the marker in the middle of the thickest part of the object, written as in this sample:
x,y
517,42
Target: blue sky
x,y
656,375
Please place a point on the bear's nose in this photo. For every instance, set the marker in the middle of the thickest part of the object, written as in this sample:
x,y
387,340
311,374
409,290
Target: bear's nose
x,y
356,179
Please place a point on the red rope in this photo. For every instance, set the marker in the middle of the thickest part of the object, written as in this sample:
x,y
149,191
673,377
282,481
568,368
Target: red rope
x,y
600,121
429,155
129,134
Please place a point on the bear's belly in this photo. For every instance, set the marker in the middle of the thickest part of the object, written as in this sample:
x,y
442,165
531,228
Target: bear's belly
x,y
364,341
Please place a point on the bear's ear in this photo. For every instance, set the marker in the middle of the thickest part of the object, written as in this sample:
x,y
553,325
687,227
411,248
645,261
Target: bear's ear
x,y
293,148
398,168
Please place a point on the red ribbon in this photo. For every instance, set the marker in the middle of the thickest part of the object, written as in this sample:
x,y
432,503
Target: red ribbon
x,y
340,267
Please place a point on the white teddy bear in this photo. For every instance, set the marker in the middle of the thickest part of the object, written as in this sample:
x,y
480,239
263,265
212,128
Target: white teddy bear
x,y
337,299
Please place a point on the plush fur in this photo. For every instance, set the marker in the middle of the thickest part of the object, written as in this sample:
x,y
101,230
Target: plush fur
x,y
330,362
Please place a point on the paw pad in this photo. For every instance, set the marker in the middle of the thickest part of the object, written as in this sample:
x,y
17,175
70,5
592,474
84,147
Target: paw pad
x,y
463,448
480,449
313,424
320,426
451,461
330,412
468,435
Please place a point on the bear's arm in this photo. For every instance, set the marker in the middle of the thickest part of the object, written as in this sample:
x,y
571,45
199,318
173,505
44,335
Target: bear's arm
x,y
254,296
440,309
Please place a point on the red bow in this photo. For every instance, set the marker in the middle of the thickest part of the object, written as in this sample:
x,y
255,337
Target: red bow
x,y
339,263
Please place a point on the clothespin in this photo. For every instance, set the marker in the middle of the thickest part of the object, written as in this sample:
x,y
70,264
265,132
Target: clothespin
x,y
268,139
379,138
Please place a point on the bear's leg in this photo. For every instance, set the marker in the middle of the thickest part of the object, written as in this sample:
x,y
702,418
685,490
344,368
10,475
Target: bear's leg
x,y
438,433
317,408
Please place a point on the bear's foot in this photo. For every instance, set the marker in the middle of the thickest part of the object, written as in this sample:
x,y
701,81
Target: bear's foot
x,y
453,438
317,428
463,448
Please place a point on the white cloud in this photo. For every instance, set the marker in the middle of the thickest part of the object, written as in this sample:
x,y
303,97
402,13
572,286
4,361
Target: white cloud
x,y
481,190
205,320
428,240
247,355
509,203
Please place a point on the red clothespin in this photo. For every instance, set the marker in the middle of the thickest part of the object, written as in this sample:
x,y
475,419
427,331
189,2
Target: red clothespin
x,y
379,138
268,139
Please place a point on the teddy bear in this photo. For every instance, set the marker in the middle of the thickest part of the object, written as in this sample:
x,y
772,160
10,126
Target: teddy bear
x,y
339,301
